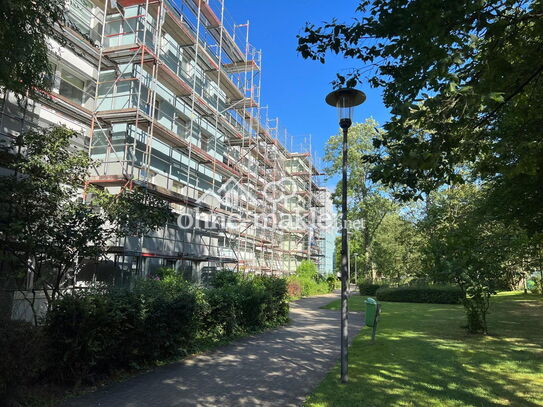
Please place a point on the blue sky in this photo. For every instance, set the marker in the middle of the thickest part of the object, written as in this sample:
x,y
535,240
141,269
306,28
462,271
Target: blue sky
x,y
295,88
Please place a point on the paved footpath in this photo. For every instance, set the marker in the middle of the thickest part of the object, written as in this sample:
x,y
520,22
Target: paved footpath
x,y
276,368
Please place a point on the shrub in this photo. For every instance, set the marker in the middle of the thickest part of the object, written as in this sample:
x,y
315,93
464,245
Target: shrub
x,y
430,294
236,305
368,288
277,305
163,273
21,350
253,305
223,278
89,335
331,280
475,318
534,285
476,301
294,288
170,327
222,317
309,280
83,337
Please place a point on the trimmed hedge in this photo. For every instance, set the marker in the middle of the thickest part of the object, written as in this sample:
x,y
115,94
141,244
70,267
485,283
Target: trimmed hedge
x,y
234,307
367,288
431,294
91,335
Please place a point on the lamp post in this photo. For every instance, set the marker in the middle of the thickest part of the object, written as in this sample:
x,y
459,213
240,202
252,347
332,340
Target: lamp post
x,y
344,100
355,271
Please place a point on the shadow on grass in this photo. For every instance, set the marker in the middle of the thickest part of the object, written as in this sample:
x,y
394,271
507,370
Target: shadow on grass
x,y
423,357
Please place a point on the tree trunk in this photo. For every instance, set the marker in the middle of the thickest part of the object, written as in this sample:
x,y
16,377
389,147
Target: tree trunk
x,y
367,262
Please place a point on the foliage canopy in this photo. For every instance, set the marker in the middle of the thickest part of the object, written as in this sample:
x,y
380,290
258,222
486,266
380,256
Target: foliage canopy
x,y
463,82
26,26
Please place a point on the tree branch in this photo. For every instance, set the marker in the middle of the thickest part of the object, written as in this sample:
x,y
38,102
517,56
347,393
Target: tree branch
x,y
511,96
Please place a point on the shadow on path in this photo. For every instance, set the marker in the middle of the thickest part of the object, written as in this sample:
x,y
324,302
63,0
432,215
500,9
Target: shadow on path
x,y
275,368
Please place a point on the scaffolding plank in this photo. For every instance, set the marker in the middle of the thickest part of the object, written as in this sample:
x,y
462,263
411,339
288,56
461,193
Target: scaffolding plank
x,y
130,3
226,84
241,66
208,13
176,84
177,28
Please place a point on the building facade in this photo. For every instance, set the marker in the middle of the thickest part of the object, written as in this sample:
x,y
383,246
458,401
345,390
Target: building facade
x,y
165,95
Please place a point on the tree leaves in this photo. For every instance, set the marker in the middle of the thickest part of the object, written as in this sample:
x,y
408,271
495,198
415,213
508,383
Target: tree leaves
x,y
462,80
26,25
46,228
133,212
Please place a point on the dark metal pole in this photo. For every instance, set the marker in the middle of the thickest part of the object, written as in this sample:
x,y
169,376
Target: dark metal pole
x,y
344,124
355,271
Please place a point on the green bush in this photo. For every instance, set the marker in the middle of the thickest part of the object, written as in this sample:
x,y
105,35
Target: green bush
x,y
236,305
277,306
331,280
163,273
534,285
90,335
430,294
21,358
223,278
309,280
170,327
222,315
83,337
369,288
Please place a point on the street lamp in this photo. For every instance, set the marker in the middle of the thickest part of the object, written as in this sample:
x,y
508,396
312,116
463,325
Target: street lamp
x,y
344,100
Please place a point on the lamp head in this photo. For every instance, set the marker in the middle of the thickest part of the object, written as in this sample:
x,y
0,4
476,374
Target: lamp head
x,y
345,99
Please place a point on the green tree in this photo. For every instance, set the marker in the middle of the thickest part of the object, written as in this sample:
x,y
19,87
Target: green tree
x,y
462,80
396,250
46,229
132,212
468,247
368,201
26,25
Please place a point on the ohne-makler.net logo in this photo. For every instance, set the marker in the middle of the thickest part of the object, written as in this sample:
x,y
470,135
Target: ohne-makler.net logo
x,y
276,207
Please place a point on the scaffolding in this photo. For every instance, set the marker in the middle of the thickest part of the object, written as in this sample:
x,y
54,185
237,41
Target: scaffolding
x,y
176,110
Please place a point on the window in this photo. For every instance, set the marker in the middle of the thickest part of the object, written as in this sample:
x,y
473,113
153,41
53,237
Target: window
x,y
181,129
157,109
71,87
204,142
80,14
51,78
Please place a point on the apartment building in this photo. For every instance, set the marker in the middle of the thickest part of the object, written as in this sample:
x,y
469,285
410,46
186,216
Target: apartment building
x,y
166,97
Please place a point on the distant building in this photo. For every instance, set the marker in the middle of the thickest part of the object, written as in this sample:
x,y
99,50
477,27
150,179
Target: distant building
x,y
330,234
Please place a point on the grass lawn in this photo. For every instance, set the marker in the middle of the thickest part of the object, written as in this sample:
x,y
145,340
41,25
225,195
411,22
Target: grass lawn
x,y
423,357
